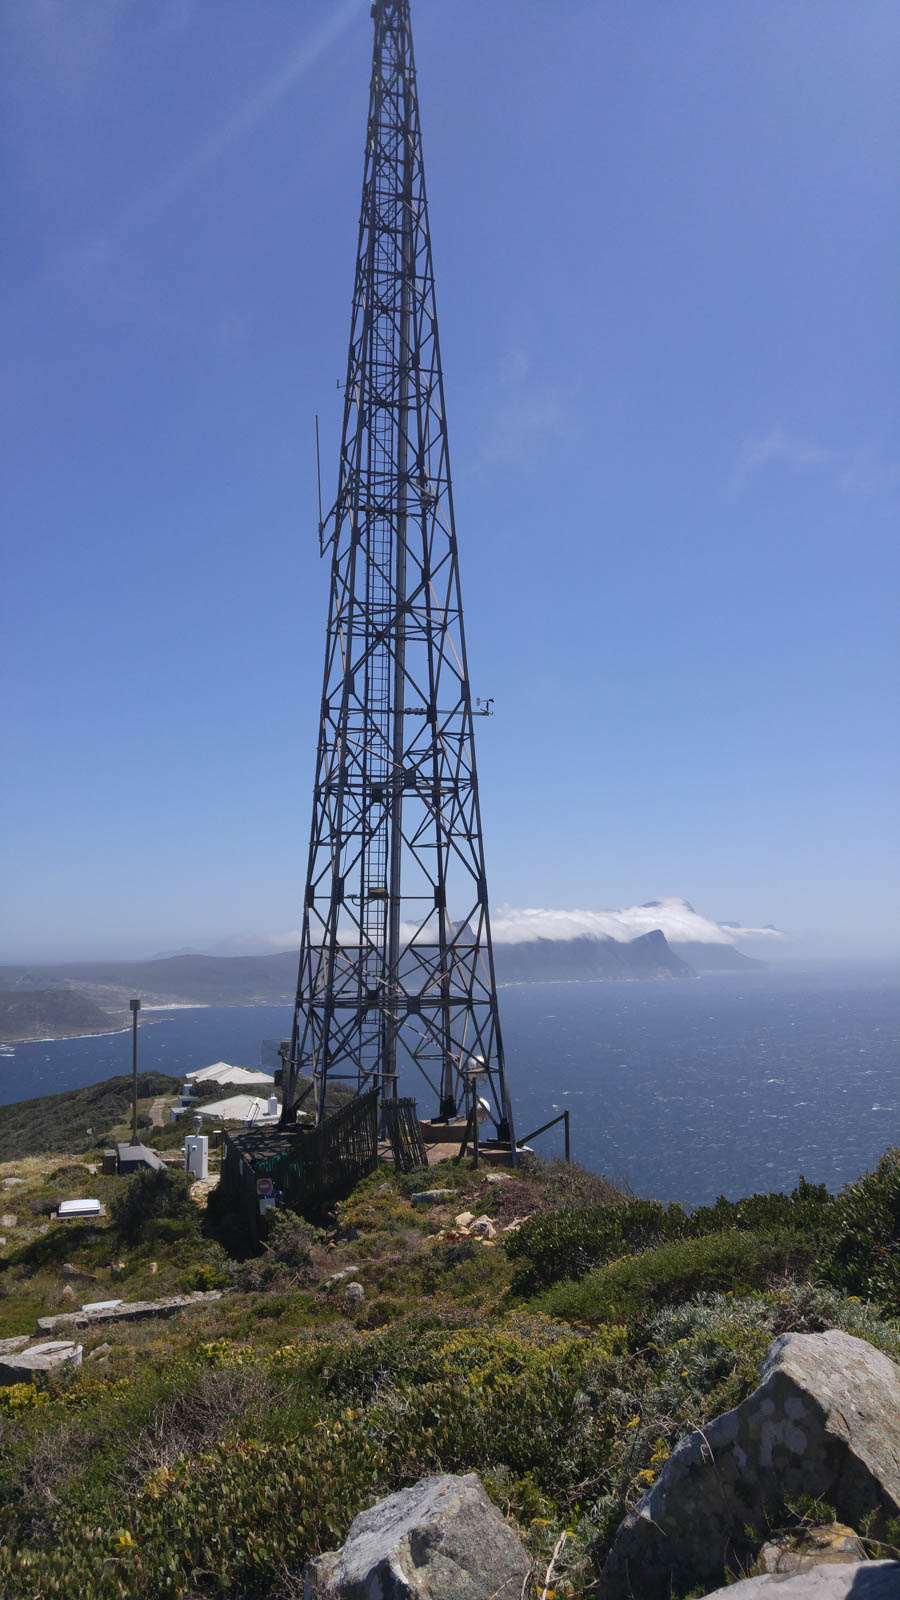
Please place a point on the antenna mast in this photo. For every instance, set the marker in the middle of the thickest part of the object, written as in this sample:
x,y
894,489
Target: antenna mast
x,y
396,964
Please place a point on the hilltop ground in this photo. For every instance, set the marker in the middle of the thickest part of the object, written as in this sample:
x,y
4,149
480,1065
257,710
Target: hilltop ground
x,y
560,1351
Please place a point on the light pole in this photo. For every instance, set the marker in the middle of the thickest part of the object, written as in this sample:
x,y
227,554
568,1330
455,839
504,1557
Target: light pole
x,y
135,1008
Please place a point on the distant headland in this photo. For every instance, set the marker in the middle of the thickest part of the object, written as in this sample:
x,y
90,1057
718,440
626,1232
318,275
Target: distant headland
x,y
68,999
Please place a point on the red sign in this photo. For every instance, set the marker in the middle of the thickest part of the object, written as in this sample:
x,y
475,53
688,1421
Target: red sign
x,y
265,1186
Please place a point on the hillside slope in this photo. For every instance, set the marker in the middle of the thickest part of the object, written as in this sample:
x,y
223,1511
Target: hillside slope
x,y
53,1014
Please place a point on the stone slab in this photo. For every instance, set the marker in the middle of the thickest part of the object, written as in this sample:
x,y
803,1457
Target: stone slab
x,y
854,1580
51,1356
18,1342
129,1311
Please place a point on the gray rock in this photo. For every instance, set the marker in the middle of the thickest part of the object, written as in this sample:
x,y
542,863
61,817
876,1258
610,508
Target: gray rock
x,y
863,1580
824,1422
354,1292
99,1352
67,1292
18,1342
432,1197
441,1539
811,1547
338,1277
483,1228
39,1358
9,1220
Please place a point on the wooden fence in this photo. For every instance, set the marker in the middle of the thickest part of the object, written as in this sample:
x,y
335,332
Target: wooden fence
x,y
404,1132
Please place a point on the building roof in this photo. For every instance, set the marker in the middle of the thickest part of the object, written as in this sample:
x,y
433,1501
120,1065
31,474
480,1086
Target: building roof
x,y
225,1074
132,1156
238,1108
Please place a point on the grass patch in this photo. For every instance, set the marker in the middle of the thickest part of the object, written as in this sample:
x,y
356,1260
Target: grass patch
x,y
628,1291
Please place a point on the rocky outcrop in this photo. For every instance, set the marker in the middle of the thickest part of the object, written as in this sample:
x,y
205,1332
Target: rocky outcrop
x,y
589,959
824,1422
853,1580
442,1539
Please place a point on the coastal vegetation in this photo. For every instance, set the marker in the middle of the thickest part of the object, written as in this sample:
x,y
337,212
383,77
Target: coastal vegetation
x,y
561,1356
80,1120
53,1013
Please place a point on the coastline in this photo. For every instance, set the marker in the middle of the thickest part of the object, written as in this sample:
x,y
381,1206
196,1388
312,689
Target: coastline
x,y
105,1033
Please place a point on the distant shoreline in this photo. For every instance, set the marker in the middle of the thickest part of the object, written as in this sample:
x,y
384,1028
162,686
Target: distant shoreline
x,y
106,1033
60,1038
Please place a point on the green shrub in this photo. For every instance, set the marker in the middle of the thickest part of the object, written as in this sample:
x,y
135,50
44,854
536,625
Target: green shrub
x,y
154,1195
627,1291
569,1244
865,1256
290,1242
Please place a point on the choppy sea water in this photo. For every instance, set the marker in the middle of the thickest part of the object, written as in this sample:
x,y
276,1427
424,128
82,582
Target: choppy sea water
x,y
727,1084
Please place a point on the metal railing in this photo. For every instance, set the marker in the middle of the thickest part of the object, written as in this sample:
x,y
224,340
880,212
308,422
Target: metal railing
x,y
472,1131
563,1117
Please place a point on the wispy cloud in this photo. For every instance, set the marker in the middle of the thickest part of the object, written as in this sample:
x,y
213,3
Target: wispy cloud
x,y
99,265
526,410
206,155
777,446
865,469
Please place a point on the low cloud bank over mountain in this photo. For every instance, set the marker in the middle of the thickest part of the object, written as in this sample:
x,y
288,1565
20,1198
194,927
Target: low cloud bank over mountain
x,y
660,938
674,917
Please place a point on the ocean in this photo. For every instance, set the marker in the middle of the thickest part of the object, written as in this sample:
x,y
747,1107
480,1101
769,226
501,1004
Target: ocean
x,y
727,1084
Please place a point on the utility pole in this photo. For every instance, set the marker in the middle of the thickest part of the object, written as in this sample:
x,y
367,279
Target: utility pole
x,y
396,972
135,1008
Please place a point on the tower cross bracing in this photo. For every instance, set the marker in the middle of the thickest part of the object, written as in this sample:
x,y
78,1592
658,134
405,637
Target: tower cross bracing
x,y
396,965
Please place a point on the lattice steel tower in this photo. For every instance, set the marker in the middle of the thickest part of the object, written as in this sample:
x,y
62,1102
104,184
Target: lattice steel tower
x,y
396,965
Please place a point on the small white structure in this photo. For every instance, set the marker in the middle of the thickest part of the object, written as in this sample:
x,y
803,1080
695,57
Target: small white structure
x,y
79,1208
231,1077
196,1155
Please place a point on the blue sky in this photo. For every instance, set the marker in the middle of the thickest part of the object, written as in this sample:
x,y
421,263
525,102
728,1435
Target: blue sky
x,y
666,242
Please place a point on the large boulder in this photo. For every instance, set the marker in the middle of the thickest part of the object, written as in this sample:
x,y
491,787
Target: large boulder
x,y
853,1580
442,1539
824,1422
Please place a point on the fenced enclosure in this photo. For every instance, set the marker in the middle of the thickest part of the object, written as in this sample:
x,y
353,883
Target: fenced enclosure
x,y
301,1169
